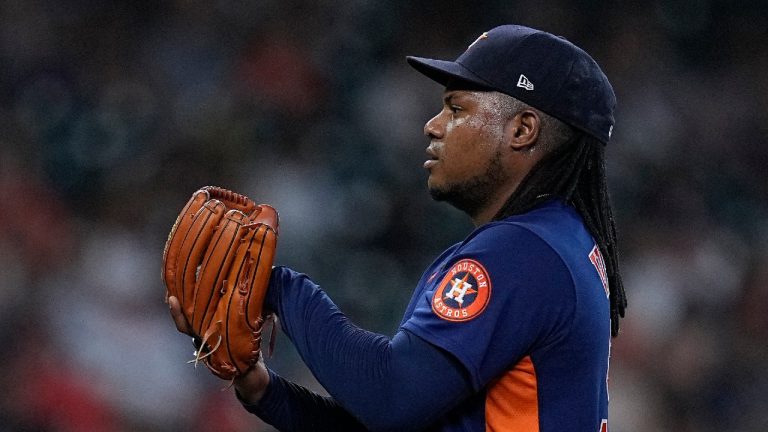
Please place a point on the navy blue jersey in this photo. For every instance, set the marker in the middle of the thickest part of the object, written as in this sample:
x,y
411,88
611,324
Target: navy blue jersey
x,y
523,304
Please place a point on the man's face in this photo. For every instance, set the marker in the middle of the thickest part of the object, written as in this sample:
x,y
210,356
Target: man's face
x,y
465,150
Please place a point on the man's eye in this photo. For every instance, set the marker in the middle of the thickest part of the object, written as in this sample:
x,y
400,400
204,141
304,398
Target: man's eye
x,y
454,108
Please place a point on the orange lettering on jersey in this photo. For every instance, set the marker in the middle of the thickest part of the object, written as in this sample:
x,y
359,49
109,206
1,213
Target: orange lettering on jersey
x,y
463,293
597,260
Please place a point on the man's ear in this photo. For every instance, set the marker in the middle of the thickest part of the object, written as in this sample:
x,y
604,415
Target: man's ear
x,y
522,130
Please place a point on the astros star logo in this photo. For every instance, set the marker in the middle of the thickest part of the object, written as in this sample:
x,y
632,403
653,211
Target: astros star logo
x,y
479,38
463,293
459,289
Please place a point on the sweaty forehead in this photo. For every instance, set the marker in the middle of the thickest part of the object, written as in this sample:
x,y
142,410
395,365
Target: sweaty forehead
x,y
482,99
462,95
483,106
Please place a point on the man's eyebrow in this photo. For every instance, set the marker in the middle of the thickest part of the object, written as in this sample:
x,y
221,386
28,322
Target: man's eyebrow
x,y
449,97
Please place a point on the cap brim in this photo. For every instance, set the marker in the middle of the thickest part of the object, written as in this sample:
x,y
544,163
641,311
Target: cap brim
x,y
446,72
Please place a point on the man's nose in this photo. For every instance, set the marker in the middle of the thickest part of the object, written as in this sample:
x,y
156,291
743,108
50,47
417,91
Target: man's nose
x,y
433,128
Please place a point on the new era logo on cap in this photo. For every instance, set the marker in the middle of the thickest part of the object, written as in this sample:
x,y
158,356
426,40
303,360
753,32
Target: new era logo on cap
x,y
524,82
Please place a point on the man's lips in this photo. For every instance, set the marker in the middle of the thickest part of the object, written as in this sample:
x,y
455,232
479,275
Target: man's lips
x,y
432,161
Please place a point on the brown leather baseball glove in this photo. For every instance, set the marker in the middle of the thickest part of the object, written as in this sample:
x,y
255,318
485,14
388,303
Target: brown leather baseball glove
x,y
217,262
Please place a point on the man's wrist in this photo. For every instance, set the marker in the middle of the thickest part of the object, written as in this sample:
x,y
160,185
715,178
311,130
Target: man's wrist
x,y
251,387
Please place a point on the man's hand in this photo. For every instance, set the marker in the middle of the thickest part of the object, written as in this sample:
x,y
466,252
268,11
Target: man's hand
x,y
181,322
251,385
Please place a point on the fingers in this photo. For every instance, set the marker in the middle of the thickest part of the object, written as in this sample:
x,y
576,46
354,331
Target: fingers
x,y
178,318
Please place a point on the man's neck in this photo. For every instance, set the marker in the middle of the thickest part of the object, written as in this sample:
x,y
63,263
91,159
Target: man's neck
x,y
490,211
483,217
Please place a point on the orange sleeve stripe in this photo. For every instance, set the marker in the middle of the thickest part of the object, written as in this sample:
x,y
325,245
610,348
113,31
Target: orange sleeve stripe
x,y
512,402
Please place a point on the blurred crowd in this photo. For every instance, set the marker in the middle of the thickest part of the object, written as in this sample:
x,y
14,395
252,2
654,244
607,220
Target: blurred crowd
x,y
113,113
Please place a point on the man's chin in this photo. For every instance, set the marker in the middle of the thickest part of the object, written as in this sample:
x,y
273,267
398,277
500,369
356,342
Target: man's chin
x,y
449,197
471,195
439,191
438,194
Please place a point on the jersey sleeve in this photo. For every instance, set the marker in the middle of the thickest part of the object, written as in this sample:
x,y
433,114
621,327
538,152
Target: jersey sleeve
x,y
283,400
502,293
377,380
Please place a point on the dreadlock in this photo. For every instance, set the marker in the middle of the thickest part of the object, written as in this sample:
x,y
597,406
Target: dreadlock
x,y
575,172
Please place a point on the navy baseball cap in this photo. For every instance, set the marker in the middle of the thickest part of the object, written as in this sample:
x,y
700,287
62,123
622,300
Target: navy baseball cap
x,y
545,71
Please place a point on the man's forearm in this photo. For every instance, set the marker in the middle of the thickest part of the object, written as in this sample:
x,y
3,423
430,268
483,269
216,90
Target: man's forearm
x,y
380,381
290,407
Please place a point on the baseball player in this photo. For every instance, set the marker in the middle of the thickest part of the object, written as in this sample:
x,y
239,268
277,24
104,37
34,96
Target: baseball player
x,y
508,330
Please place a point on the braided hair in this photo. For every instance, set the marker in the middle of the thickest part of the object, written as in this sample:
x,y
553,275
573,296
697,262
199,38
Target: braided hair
x,y
574,171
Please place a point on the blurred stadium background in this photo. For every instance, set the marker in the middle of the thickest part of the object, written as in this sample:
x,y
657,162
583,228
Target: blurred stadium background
x,y
112,113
